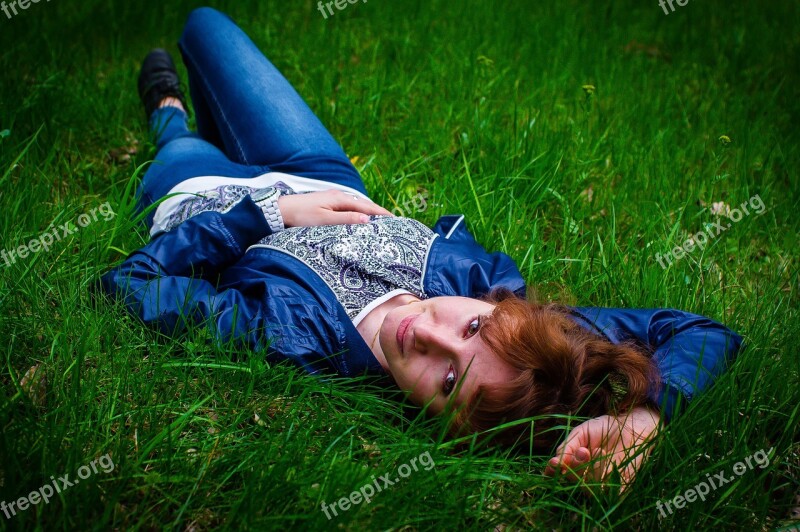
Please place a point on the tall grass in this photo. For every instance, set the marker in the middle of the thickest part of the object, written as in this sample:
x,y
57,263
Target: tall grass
x,y
482,104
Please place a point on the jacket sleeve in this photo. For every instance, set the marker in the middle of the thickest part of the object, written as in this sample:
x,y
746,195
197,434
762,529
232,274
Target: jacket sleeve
x,y
219,200
689,350
164,283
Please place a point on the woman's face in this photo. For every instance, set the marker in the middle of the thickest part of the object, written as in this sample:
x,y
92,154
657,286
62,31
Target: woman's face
x,y
430,345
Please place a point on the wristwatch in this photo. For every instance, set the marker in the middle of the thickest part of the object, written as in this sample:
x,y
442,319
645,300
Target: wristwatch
x,y
267,200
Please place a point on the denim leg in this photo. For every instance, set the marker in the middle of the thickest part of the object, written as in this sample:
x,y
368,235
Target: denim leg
x,y
182,155
258,116
168,124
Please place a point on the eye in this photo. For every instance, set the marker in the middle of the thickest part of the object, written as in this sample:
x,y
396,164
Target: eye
x,y
449,380
473,326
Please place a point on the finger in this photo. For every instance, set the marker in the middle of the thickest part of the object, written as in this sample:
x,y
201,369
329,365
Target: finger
x,y
563,460
583,455
351,202
555,465
579,458
568,460
590,469
627,476
574,469
628,472
575,451
346,218
367,207
619,460
601,468
579,472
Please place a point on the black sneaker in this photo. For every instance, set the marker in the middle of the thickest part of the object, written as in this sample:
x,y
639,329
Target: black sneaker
x,y
158,79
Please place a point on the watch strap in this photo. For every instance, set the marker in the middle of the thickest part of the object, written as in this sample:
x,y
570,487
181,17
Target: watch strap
x,y
267,200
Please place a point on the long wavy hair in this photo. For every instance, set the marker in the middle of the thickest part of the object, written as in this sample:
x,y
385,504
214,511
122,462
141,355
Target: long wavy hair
x,y
563,370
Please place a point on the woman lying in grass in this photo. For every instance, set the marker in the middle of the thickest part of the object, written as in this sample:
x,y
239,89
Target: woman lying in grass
x,y
268,238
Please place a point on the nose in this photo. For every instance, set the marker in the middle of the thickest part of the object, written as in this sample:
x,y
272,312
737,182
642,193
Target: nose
x,y
430,338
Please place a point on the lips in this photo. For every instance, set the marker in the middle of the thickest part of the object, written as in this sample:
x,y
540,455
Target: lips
x,y
401,331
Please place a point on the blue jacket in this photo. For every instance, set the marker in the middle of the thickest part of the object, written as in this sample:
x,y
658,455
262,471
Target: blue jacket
x,y
201,273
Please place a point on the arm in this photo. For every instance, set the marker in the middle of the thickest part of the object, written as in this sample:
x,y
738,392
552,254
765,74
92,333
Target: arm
x,y
163,284
327,207
690,352
223,246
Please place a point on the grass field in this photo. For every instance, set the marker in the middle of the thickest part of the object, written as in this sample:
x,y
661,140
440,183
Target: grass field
x,y
488,107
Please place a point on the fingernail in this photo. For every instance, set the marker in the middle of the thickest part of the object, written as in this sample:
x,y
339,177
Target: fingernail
x,y
364,218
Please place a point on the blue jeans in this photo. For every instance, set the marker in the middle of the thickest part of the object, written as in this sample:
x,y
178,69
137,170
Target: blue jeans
x,y
250,120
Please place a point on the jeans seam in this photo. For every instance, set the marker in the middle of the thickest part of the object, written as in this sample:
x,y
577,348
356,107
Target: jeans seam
x,y
215,101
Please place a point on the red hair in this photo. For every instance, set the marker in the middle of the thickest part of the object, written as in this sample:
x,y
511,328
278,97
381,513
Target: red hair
x,y
563,368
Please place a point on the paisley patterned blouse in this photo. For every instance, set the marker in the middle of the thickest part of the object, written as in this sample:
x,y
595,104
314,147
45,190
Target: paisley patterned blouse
x,y
363,264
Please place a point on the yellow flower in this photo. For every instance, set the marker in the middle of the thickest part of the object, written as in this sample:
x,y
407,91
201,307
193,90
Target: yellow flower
x,y
725,139
588,89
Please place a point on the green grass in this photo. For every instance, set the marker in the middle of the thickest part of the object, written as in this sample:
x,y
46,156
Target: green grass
x,y
480,103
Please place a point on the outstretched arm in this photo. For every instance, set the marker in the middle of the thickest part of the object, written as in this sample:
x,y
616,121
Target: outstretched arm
x,y
165,282
690,352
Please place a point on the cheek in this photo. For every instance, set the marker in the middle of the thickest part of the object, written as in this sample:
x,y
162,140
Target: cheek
x,y
417,379
388,331
422,396
471,379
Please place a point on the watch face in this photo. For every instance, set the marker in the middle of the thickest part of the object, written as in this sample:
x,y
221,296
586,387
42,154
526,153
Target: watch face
x,y
262,193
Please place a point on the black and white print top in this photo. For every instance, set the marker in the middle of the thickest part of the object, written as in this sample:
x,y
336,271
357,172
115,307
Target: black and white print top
x,y
204,193
220,199
363,264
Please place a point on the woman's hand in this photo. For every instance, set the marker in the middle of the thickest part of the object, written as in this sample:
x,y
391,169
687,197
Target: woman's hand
x,y
595,447
329,207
